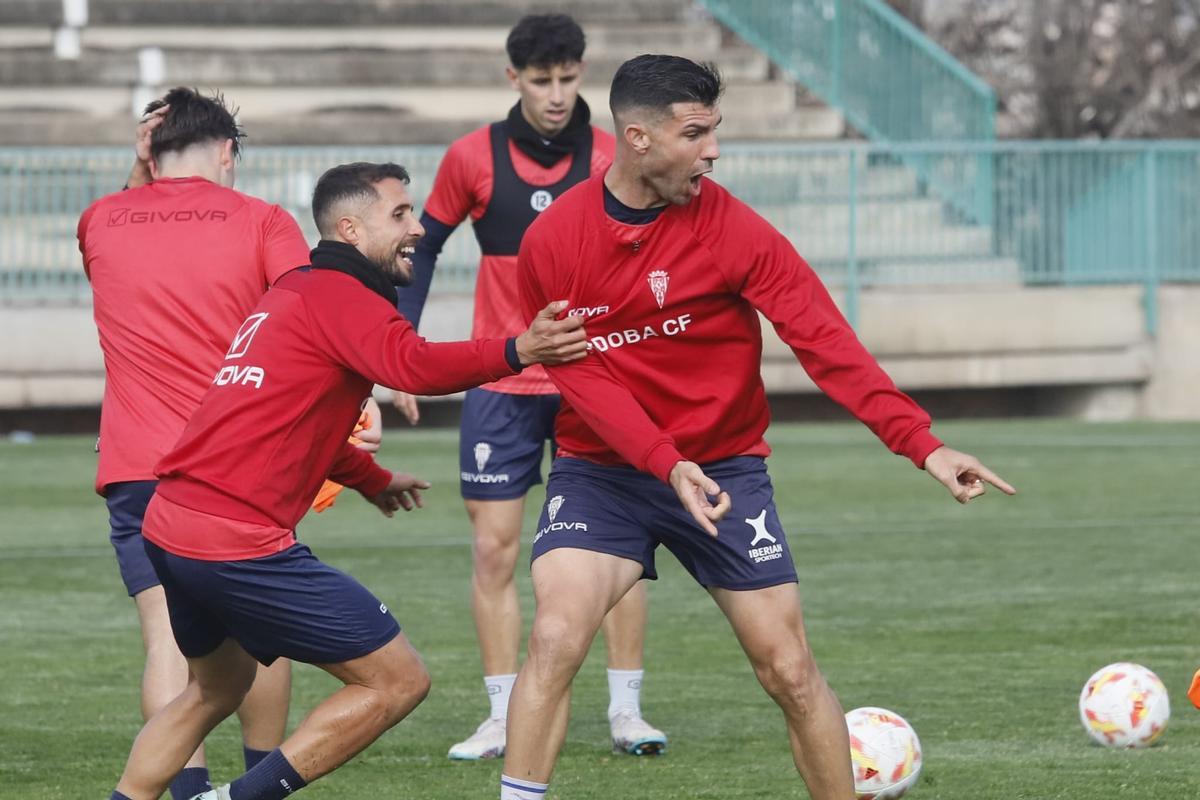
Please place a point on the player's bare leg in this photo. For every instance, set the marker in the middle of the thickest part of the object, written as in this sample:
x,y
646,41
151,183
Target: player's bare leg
x,y
381,689
624,638
165,675
218,683
625,629
574,589
496,526
263,714
770,627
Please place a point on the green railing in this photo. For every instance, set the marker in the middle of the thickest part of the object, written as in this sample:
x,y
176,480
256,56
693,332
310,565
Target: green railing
x,y
889,80
1063,212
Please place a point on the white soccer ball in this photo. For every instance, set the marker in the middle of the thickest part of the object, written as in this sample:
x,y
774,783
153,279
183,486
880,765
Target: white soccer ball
x,y
1124,705
885,753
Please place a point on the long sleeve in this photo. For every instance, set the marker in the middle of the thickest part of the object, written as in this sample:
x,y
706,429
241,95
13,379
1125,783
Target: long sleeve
x,y
413,297
780,284
364,333
358,470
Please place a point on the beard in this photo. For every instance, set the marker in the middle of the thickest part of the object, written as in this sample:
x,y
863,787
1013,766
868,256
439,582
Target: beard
x,y
388,265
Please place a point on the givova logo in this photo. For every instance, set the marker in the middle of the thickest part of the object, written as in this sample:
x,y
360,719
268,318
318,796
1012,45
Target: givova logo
x,y
553,506
245,335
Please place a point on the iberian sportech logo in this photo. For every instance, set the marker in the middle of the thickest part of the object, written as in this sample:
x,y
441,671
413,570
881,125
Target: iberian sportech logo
x,y
127,216
768,552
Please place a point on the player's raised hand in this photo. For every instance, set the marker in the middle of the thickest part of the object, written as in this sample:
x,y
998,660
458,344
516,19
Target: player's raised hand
x,y
406,404
963,474
404,491
140,174
694,490
552,341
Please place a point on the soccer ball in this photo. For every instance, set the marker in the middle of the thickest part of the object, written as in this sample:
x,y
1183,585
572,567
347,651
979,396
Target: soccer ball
x,y
1124,705
885,753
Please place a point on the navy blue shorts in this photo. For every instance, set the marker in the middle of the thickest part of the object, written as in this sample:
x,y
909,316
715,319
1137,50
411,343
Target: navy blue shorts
x,y
501,441
628,513
286,605
127,503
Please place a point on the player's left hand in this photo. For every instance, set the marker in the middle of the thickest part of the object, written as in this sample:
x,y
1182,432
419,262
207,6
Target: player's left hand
x,y
370,435
694,489
963,474
404,491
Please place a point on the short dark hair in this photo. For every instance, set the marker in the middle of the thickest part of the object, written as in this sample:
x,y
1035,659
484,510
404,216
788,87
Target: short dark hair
x,y
543,40
655,82
350,182
191,119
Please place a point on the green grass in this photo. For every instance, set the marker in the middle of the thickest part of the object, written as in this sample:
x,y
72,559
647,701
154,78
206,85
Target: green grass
x,y
979,624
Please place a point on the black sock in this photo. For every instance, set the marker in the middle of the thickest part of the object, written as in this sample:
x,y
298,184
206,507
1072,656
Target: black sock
x,y
190,782
252,756
272,779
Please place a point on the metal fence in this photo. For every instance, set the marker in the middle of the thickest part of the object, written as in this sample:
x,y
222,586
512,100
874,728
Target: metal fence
x,y
891,81
862,214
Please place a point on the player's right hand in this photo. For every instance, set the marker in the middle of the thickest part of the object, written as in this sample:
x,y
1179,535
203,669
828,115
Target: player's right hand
x,y
404,491
694,490
140,174
406,404
552,341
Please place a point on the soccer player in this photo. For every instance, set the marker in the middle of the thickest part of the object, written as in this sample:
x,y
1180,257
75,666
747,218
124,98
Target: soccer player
x,y
175,266
502,176
271,428
661,427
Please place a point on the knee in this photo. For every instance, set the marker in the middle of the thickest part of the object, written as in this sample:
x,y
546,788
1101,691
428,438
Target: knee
x,y
403,692
557,642
792,680
224,698
495,557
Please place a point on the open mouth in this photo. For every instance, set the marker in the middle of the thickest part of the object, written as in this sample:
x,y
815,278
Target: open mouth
x,y
694,181
406,254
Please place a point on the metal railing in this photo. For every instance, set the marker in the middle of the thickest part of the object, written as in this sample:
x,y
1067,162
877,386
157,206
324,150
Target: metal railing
x,y
887,78
863,216
890,81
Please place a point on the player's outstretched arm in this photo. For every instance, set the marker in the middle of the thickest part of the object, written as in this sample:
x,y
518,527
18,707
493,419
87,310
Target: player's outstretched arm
x,y
140,174
552,341
404,491
694,490
963,474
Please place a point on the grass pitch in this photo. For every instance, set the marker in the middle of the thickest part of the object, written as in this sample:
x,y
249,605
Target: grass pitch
x,y
978,624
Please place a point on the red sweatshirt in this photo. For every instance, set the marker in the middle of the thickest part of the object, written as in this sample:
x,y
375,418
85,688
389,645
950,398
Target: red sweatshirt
x,y
274,423
676,345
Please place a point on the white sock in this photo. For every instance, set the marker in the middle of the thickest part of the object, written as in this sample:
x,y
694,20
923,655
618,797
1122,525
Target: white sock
x,y
625,691
513,789
499,689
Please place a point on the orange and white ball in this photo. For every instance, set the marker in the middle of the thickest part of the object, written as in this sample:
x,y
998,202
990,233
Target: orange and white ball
x,y
885,753
1124,705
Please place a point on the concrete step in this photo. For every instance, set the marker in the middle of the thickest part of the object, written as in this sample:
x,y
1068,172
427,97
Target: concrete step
x,y
947,242
442,103
341,12
906,217
29,127
768,179
602,38
332,67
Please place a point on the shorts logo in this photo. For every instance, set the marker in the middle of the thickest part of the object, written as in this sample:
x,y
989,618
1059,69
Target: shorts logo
x,y
483,451
540,200
768,552
245,335
553,506
658,280
382,608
